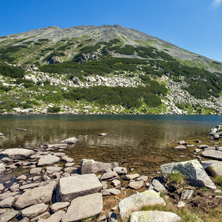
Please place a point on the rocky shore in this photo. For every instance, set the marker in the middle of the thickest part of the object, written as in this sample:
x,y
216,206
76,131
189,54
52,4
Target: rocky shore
x,y
47,185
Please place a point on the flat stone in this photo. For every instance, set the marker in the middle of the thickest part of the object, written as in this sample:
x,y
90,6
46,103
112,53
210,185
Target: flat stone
x,y
109,175
59,146
116,183
8,194
120,170
111,191
212,154
37,195
158,186
206,163
215,169
202,146
56,217
136,184
84,207
22,177
37,170
16,153
51,169
74,186
8,202
34,210
131,176
102,134
2,168
41,217
181,147
48,160
154,216
90,166
136,201
181,204
182,142
8,215
186,194
71,140
59,206
28,186
69,164
143,178
192,170
67,159
15,188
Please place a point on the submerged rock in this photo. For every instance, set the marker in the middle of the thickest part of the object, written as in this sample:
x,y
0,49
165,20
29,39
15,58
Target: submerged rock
x,y
192,170
137,201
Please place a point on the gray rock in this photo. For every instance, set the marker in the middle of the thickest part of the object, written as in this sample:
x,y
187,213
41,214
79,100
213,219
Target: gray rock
x,y
120,170
8,215
182,142
109,175
8,202
202,146
154,216
84,207
131,176
116,183
74,186
59,206
181,147
186,194
143,178
48,160
14,188
158,186
2,168
35,210
67,159
16,153
51,170
206,163
111,191
90,166
71,140
215,169
8,194
102,134
1,187
37,170
136,184
22,177
213,154
137,201
192,170
28,186
181,204
56,217
41,217
37,195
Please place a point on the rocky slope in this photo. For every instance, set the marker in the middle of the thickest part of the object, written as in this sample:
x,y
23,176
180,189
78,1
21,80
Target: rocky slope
x,y
69,70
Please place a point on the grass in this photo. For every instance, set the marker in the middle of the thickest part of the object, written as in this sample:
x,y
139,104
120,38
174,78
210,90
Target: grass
x,y
177,178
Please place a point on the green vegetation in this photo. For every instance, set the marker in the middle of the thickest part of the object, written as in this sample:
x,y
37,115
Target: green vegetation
x,y
177,178
218,181
11,71
53,109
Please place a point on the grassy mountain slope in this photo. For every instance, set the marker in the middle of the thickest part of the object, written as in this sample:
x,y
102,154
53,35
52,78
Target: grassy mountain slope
x,y
85,65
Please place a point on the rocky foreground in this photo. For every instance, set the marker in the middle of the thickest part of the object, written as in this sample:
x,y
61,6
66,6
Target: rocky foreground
x,y
53,188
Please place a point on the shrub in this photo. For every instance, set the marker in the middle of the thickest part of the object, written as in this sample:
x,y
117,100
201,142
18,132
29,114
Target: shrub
x,y
53,109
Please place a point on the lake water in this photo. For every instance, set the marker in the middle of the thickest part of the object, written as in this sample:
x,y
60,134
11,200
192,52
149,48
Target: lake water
x,y
143,142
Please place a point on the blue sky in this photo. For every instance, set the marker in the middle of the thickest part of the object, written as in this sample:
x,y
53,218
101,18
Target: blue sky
x,y
195,25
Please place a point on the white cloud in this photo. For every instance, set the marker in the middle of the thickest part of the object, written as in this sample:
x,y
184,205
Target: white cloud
x,y
216,4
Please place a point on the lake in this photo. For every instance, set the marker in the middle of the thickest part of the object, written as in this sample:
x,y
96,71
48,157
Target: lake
x,y
142,142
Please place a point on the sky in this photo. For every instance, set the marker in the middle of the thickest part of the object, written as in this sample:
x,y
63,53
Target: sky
x,y
194,25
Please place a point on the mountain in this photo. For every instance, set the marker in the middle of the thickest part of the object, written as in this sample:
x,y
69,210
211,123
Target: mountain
x,y
104,69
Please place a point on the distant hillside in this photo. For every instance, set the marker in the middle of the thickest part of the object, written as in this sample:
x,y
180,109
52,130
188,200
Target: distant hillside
x,y
109,69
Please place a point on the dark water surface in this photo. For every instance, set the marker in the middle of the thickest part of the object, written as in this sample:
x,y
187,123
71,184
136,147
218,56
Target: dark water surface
x,y
139,141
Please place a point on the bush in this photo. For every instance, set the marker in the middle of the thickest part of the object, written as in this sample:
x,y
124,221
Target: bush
x,y
11,71
53,109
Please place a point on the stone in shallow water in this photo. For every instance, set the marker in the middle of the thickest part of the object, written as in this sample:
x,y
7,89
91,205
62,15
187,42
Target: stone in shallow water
x,y
84,207
71,140
154,216
75,186
213,154
137,201
192,170
16,153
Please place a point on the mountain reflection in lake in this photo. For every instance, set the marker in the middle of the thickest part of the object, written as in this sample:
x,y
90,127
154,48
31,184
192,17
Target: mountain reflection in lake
x,y
132,141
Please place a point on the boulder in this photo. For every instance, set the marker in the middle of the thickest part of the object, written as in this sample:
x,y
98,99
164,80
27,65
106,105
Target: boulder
x,y
48,160
84,207
2,168
8,215
215,169
90,166
137,201
37,195
34,210
212,154
192,170
72,187
71,140
154,216
16,153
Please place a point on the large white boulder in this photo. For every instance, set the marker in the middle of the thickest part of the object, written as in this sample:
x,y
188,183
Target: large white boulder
x,y
192,170
154,216
137,201
84,207
16,153
72,187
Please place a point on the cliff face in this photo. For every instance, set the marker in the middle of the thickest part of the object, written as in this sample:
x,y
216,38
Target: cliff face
x,y
74,64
